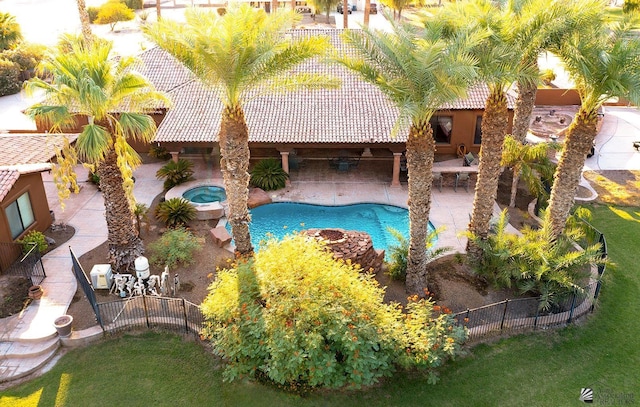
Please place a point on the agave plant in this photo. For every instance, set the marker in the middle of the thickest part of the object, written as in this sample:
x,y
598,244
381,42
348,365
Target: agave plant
x,y
175,173
175,212
268,174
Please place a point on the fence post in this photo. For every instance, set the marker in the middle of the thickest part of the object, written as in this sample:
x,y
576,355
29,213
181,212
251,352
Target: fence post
x,y
186,320
146,312
504,313
535,320
573,304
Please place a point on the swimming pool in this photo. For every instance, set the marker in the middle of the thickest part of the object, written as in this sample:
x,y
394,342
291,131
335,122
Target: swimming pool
x,y
281,218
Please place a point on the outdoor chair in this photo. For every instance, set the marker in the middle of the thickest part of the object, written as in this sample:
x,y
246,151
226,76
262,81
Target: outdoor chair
x,y
462,177
469,159
437,177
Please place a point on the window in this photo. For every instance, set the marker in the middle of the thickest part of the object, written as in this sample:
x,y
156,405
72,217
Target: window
x,y
477,138
20,215
442,126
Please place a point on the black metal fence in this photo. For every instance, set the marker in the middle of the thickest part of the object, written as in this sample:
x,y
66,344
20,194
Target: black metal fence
x,y
13,262
525,313
145,311
152,312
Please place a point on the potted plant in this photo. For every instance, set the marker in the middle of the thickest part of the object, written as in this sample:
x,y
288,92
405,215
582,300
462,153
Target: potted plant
x,y
63,325
35,292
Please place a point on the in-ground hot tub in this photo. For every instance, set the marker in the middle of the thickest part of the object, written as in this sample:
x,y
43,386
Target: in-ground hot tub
x,y
205,195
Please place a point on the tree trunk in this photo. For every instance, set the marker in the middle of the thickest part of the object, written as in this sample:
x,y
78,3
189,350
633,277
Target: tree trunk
x,y
274,6
85,23
523,110
158,8
234,163
367,12
345,14
577,145
494,127
420,152
124,243
514,186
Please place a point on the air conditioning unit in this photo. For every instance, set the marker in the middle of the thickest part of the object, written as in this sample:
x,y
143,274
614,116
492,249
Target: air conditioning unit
x,y
101,276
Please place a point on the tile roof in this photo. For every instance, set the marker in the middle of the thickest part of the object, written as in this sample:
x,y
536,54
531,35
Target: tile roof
x,y
163,70
355,113
19,149
7,179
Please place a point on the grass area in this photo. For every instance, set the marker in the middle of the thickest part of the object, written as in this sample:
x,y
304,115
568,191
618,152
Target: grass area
x,y
616,187
540,369
615,14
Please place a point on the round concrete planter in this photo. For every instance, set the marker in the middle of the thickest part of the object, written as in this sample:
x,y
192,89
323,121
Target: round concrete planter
x,y
63,325
35,292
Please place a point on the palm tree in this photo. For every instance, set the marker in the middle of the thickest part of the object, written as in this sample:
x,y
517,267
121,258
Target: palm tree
x,y
529,161
537,25
87,85
498,67
10,33
419,72
85,22
240,54
603,63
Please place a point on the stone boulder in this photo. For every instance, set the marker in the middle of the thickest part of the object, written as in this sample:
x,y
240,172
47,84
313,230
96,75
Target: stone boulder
x,y
351,245
257,197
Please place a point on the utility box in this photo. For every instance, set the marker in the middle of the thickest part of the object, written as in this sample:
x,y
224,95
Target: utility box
x,y
142,267
101,276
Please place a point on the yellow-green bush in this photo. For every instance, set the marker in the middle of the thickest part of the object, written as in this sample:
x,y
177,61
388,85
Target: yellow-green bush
x,y
112,12
300,319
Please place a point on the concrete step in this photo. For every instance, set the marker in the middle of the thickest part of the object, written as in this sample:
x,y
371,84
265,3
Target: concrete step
x,y
26,349
13,368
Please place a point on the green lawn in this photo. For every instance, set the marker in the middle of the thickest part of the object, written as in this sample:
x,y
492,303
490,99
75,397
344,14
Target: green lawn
x,y
614,14
542,369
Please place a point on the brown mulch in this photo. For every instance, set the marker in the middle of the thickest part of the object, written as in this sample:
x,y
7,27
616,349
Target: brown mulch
x,y
14,290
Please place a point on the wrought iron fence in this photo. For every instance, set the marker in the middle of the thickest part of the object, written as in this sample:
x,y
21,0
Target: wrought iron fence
x,y
13,262
151,312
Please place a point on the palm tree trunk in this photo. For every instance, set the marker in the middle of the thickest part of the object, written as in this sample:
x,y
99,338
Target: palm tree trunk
x,y
345,14
124,243
85,23
158,9
234,163
420,152
494,127
523,110
578,143
514,186
367,12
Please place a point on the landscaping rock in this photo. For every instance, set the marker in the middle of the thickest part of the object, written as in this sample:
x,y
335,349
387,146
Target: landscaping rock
x,y
257,197
220,236
351,245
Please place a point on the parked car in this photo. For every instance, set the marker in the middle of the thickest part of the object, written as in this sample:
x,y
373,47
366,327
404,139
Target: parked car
x,y
339,8
373,8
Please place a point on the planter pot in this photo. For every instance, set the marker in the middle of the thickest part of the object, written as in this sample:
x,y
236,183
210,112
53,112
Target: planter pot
x,y
63,325
35,292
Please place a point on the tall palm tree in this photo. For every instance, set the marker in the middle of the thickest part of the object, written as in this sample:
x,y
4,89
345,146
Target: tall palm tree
x,y
87,85
85,22
419,72
603,63
240,54
498,68
529,161
535,26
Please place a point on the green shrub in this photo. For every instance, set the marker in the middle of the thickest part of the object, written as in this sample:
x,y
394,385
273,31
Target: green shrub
x,y
94,178
399,253
175,212
112,12
296,317
159,152
141,212
630,6
175,173
536,262
93,13
268,174
175,246
9,78
34,237
10,33
134,4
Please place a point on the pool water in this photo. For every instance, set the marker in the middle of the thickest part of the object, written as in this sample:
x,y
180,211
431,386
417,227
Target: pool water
x,y
205,194
282,218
